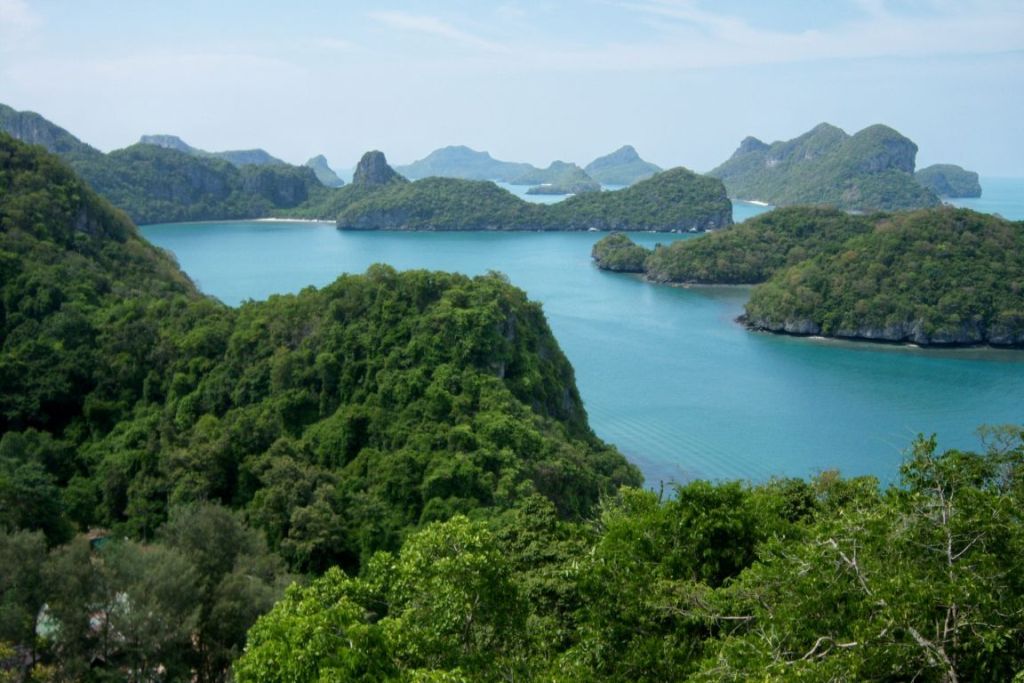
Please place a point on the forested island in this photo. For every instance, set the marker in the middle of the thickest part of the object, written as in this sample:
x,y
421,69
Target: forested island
x,y
870,171
381,199
409,454
932,277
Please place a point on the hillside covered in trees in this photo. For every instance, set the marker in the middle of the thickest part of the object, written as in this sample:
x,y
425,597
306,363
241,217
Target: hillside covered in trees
x,y
944,276
321,427
156,183
872,170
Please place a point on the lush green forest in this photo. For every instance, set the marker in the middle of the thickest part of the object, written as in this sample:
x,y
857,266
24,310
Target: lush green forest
x,y
824,580
392,478
334,421
939,276
869,171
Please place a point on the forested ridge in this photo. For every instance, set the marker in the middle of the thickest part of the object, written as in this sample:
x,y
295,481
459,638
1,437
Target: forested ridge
x,y
392,478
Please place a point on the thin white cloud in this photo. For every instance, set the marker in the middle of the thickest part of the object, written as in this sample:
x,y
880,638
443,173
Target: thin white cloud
x,y
17,24
433,26
700,38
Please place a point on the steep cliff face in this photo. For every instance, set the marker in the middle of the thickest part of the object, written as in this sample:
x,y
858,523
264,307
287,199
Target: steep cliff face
x,y
373,171
949,180
32,128
869,171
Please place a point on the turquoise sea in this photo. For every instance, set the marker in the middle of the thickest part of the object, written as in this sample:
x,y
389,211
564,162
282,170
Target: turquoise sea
x,y
665,373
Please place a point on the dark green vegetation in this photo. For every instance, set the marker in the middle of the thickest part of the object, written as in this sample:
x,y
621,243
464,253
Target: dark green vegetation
x,y
622,167
558,178
747,253
465,163
324,173
333,423
673,200
414,448
870,171
618,253
236,157
752,251
827,580
936,276
942,276
155,184
949,180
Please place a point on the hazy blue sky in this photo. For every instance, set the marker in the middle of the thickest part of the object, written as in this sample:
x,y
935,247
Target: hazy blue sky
x,y
682,80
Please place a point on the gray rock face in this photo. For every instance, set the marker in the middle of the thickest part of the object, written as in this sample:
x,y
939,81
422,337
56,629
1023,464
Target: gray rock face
x,y
373,171
968,333
949,180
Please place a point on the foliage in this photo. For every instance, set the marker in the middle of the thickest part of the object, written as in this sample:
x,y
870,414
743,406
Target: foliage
x,y
869,171
828,579
752,251
336,421
618,253
936,276
674,200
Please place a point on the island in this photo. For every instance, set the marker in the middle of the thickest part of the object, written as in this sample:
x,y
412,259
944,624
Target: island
x,y
558,178
622,167
872,170
950,181
935,277
381,199
459,161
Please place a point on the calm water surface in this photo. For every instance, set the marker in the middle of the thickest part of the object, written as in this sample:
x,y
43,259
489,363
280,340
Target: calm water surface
x,y
665,373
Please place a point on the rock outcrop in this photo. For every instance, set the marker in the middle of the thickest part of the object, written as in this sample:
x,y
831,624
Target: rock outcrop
x,y
373,171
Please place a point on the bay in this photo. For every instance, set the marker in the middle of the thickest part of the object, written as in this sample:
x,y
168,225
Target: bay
x,y
665,373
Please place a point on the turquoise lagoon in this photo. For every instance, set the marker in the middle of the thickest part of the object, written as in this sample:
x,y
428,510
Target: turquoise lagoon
x,y
666,374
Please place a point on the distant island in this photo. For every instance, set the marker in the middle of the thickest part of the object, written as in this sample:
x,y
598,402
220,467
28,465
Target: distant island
x,y
938,276
381,199
872,170
622,167
558,178
459,161
171,181
949,180
236,157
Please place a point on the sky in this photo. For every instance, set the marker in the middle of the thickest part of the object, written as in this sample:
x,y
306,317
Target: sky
x,y
684,81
